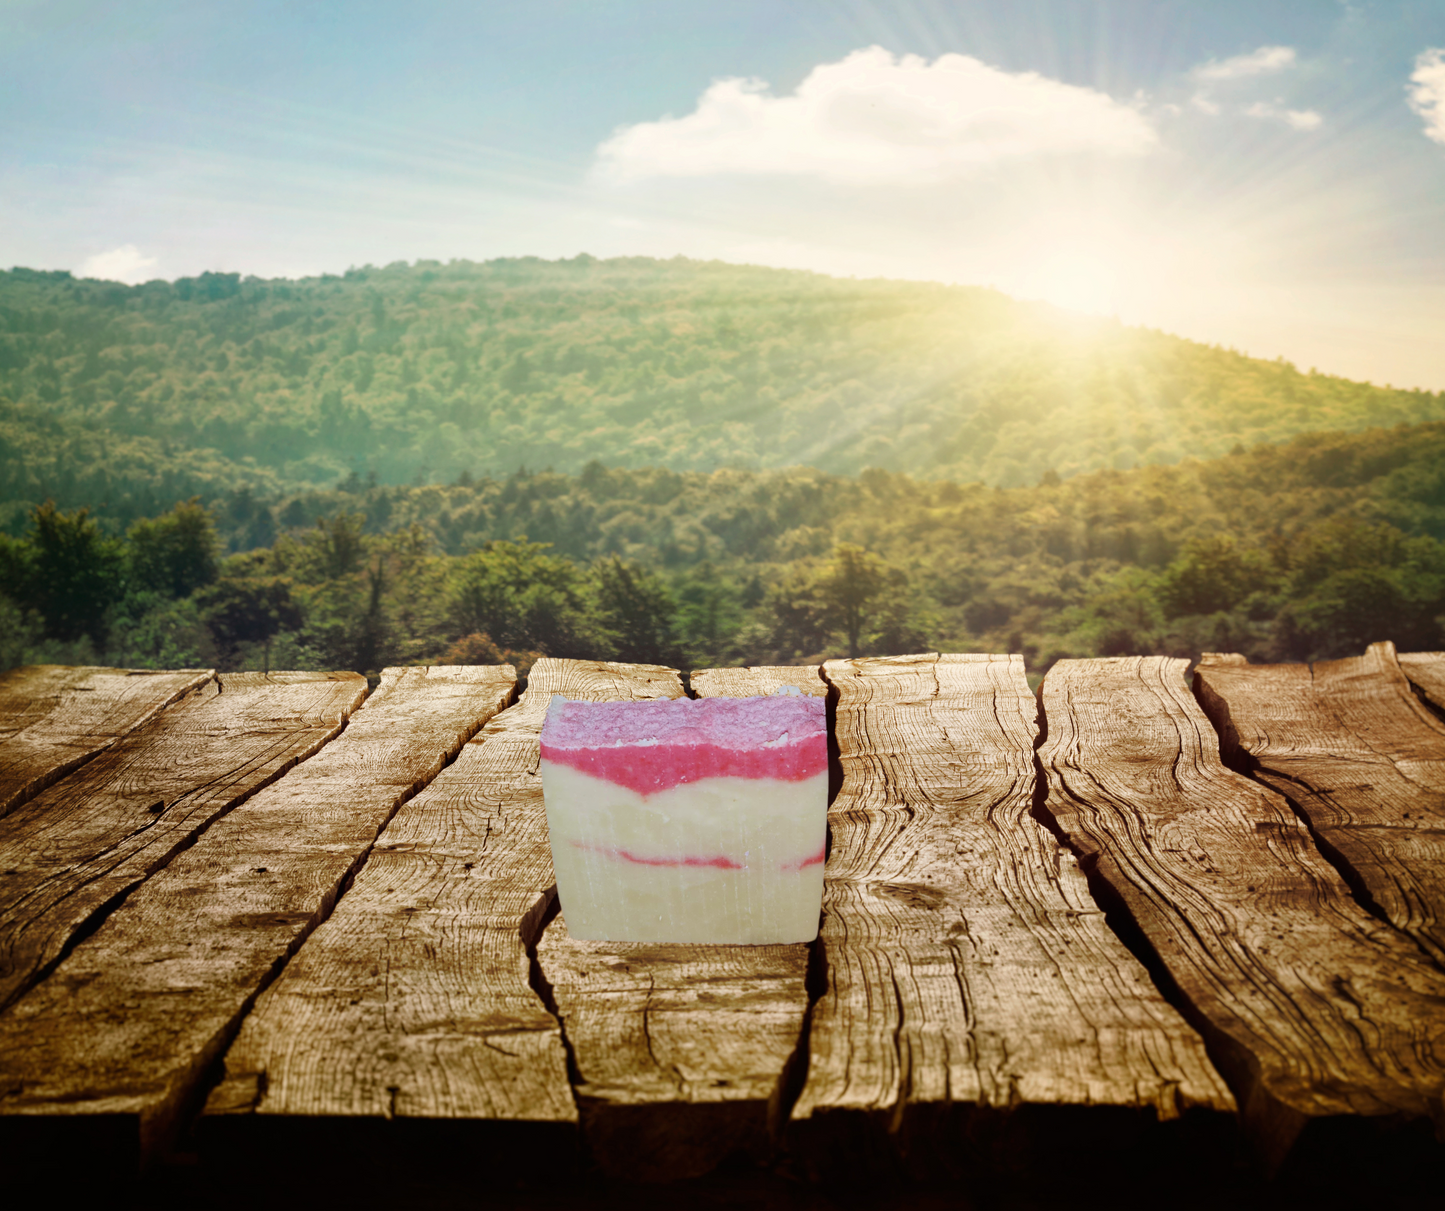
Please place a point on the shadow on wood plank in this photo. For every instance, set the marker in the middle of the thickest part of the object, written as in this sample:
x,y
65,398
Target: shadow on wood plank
x,y
682,1054
392,1165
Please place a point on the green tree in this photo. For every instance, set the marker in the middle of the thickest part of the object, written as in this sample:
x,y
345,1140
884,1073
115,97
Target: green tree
x,y
1211,575
1354,582
853,588
1339,544
635,613
709,614
900,627
371,629
19,633
159,633
73,574
1350,610
17,558
340,544
174,553
855,595
1119,615
801,621
248,611
522,597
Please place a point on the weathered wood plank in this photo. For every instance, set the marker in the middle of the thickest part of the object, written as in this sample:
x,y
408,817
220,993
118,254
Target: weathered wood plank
x,y
127,1025
1426,670
757,680
1312,1008
1364,760
414,999
967,963
680,1051
71,852
53,719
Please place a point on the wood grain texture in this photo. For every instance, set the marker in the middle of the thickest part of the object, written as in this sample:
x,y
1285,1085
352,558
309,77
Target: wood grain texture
x,y
1312,1007
128,1023
680,1051
1427,671
759,680
53,719
74,850
1361,757
414,998
967,963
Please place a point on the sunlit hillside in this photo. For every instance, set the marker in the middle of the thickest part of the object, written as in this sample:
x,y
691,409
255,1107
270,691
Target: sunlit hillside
x,y
131,396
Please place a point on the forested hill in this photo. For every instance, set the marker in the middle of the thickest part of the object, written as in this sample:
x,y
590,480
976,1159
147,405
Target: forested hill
x,y
129,397
1309,549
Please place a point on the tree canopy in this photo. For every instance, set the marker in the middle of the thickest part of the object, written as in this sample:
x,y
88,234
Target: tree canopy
x,y
1309,549
134,397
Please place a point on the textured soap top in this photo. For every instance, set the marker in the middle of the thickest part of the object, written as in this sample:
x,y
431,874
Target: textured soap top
x,y
729,722
650,746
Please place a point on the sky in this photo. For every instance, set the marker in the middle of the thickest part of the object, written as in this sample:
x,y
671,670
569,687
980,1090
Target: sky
x,y
1265,175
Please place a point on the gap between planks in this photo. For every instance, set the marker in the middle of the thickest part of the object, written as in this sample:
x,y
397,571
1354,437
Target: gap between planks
x,y
969,973
72,854
1313,1009
120,1036
414,1000
54,719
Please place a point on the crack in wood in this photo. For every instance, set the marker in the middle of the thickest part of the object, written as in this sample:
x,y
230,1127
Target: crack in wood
x,y
56,720
999,986
1310,1007
84,826
182,923
537,978
1361,762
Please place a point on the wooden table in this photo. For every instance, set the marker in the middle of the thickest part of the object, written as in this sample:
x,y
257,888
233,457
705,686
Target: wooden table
x,y
240,911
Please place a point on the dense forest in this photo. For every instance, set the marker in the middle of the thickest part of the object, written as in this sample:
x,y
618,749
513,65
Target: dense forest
x,y
1307,549
128,398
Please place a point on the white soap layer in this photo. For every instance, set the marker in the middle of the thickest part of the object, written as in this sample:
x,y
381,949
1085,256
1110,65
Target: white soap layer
x,y
734,860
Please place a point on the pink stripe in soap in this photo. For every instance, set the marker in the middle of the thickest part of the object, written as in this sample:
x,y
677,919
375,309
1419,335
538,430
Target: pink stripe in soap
x,y
654,746
721,862
816,860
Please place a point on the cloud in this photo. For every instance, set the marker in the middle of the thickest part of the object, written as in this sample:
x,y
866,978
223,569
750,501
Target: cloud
x,y
1427,91
123,264
875,118
1295,119
1257,62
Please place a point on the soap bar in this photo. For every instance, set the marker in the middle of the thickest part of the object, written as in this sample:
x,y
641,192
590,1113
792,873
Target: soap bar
x,y
688,820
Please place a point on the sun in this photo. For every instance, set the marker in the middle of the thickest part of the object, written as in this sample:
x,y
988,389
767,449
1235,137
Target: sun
x,y
1077,278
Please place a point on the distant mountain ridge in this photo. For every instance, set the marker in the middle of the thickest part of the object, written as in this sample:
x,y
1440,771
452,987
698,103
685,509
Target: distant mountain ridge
x,y
132,396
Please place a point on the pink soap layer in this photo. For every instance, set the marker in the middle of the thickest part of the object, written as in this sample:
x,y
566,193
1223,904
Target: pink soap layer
x,y
721,861
653,746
